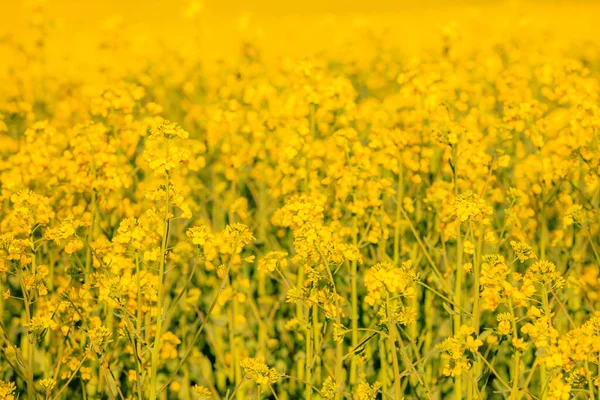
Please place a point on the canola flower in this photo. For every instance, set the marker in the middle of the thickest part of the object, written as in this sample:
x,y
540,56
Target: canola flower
x,y
381,223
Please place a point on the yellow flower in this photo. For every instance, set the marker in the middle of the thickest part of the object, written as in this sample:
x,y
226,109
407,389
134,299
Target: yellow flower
x,y
559,389
504,327
73,246
86,373
47,384
7,390
271,261
329,388
168,130
519,343
468,267
200,235
522,251
257,370
237,236
468,247
366,391
202,392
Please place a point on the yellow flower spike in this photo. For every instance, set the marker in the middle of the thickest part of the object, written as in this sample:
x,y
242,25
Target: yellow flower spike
x,y
200,235
169,130
201,392
257,370
47,384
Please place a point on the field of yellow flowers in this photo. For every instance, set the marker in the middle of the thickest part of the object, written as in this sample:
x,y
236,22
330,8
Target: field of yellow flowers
x,y
351,207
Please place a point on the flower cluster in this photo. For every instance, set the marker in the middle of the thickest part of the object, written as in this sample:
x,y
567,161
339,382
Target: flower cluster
x,y
458,351
257,370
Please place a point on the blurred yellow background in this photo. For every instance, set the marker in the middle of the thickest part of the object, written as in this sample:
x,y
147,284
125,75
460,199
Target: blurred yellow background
x,y
290,25
134,32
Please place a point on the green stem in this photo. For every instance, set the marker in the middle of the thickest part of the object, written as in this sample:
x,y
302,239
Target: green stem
x,y
458,283
71,377
544,230
384,366
138,322
354,273
309,355
188,351
392,344
235,365
301,362
476,309
316,362
514,393
399,199
161,295
408,364
543,369
30,336
339,368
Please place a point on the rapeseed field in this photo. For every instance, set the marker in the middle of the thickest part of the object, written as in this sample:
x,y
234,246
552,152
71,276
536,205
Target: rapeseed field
x,y
337,201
